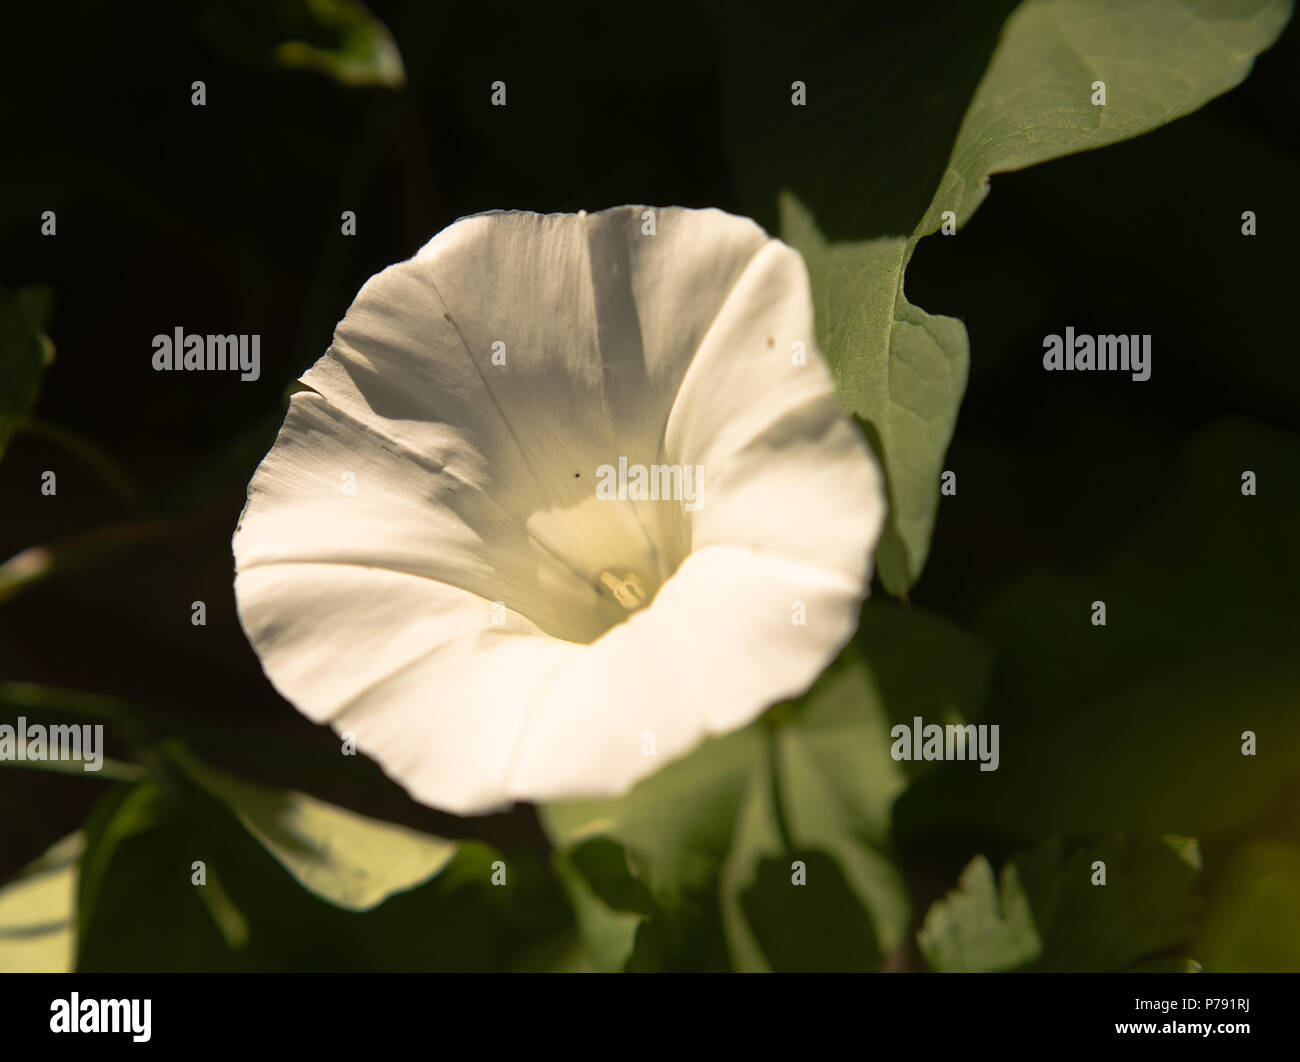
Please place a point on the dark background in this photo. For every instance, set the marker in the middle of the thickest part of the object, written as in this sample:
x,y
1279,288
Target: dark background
x,y
225,219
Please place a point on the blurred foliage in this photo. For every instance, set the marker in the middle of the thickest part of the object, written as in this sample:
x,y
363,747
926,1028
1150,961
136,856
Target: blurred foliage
x,y
25,352
703,850
1054,913
1252,923
1143,731
140,911
338,38
1071,489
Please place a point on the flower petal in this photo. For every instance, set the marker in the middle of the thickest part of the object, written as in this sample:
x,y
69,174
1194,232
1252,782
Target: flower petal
x,y
407,511
412,668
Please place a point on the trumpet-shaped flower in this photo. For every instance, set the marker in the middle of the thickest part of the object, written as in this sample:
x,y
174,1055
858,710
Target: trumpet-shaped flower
x,y
567,494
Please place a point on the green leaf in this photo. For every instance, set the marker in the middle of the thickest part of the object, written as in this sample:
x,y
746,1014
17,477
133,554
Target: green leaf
x,y
141,906
675,822
38,912
1116,728
360,51
136,907
876,168
1253,921
816,924
979,928
699,857
606,935
341,39
675,829
25,352
603,863
173,880
1159,60
346,858
901,371
108,770
1049,915
759,836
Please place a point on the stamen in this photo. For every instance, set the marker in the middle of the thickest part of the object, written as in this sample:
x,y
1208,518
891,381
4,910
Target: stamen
x,y
627,591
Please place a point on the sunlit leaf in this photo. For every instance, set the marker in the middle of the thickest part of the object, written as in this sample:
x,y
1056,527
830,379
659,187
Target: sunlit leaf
x,y
38,912
346,858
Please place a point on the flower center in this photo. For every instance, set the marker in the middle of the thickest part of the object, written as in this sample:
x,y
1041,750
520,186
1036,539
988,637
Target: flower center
x,y
622,553
628,591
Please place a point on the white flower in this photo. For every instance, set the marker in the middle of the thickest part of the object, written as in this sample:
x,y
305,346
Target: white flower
x,y
424,560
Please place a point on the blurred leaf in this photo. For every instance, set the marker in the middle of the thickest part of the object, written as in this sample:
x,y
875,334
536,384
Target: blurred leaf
x,y
365,53
1253,921
879,168
25,352
603,864
700,853
109,770
136,907
78,552
38,912
759,836
35,304
817,924
979,928
338,38
346,858
1118,728
606,935
675,828
140,908
1048,915
311,763
89,453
